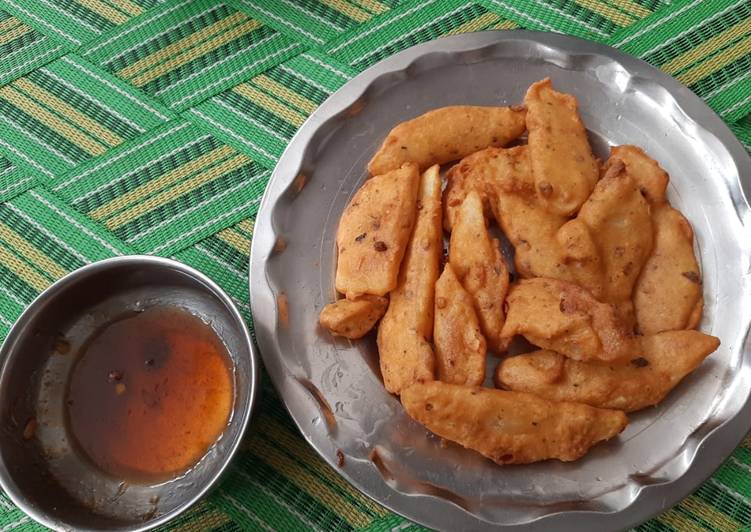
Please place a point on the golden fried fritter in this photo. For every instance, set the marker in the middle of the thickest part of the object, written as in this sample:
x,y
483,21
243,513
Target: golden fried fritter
x,y
564,169
406,329
566,318
447,134
510,427
353,318
477,261
668,293
651,179
373,233
459,345
663,361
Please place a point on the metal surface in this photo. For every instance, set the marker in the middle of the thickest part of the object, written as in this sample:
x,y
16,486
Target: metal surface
x,y
665,452
44,476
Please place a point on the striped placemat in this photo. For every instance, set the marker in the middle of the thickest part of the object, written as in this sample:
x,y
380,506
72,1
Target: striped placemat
x,y
149,126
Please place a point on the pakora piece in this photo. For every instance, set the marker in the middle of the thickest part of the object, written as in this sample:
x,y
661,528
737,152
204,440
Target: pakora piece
x,y
662,362
373,233
353,318
477,261
651,179
668,293
473,173
510,427
407,328
459,345
620,227
566,318
564,168
447,134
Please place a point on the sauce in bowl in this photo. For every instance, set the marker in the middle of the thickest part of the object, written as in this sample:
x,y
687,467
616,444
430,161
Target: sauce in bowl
x,y
149,394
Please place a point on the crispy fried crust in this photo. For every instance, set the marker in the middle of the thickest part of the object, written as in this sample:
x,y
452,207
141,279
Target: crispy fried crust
x,y
459,345
567,319
663,361
620,227
447,134
407,327
564,169
510,427
651,179
353,318
477,261
668,293
373,233
473,173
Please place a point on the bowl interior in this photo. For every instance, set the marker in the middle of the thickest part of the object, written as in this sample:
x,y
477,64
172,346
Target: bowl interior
x,y
44,474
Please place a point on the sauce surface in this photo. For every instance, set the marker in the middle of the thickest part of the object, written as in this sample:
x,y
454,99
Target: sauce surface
x,y
149,394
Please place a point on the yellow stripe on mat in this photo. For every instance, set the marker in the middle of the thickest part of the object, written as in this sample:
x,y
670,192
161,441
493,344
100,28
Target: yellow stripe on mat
x,y
714,517
717,62
475,24
53,122
373,5
506,25
128,7
355,13
62,107
606,11
247,225
235,239
632,7
29,276
183,44
284,93
177,191
32,254
189,55
10,23
264,100
707,47
680,522
159,183
108,12
14,33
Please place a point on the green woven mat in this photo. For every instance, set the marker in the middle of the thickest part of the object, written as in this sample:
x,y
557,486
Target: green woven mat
x,y
148,126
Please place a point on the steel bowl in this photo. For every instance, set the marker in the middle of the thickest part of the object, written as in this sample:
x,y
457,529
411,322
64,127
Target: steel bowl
x,y
43,474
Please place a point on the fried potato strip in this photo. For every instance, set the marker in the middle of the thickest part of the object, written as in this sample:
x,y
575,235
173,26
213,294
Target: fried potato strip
x,y
564,169
447,134
407,328
477,261
459,346
668,293
664,360
353,318
373,233
510,427
567,319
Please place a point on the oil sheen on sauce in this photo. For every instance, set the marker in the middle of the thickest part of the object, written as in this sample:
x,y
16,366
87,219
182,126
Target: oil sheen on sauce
x,y
149,393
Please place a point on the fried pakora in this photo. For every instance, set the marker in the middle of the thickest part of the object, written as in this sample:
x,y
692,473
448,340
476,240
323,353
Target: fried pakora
x,y
353,318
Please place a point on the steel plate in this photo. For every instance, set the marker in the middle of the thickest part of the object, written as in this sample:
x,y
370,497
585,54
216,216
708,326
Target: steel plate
x,y
333,388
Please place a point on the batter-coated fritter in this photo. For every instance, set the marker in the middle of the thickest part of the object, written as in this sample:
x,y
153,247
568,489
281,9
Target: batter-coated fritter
x,y
407,328
477,261
651,179
473,173
662,362
567,319
459,345
510,427
564,169
620,227
668,293
353,318
373,233
447,134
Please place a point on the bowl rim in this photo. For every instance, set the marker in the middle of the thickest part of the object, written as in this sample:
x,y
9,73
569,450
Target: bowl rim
x,y
67,281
